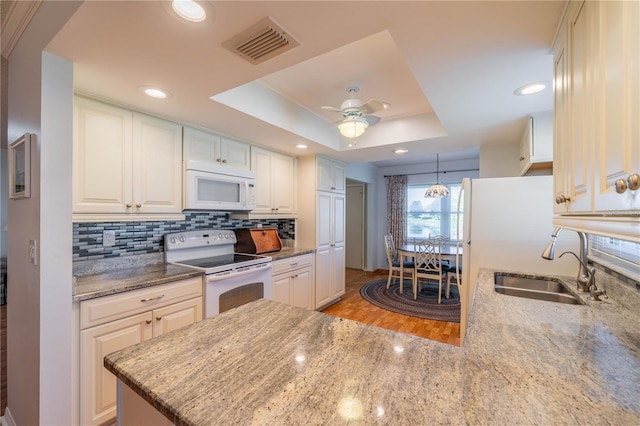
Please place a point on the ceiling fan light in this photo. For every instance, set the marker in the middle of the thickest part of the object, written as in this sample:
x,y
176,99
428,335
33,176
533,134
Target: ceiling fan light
x,y
352,126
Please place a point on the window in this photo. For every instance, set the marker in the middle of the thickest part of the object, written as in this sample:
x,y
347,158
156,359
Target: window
x,y
432,216
619,255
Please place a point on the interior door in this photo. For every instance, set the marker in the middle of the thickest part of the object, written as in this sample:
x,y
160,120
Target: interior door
x,y
355,226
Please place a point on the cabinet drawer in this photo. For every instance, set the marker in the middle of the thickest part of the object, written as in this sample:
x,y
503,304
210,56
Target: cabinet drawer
x,y
110,308
290,263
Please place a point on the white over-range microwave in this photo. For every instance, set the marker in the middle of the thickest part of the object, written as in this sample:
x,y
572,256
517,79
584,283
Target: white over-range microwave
x,y
210,186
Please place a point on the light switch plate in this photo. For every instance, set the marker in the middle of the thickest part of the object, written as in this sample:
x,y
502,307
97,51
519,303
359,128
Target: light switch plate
x,y
108,238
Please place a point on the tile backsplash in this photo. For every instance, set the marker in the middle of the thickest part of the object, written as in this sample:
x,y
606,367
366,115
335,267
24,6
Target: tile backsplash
x,y
135,238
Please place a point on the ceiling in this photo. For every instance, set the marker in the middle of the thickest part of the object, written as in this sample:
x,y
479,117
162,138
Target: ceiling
x,y
448,70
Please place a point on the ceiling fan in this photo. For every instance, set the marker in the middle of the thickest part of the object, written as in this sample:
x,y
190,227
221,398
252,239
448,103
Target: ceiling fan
x,y
355,113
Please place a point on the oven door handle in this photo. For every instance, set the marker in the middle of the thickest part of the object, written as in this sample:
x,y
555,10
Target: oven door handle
x,y
213,277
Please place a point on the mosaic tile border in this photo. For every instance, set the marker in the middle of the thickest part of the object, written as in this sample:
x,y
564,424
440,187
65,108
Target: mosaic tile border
x,y
135,238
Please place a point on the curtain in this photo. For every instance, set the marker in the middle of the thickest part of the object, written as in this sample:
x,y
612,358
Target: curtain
x,y
397,208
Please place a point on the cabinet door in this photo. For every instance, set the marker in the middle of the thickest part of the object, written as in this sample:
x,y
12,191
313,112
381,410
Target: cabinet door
x,y
97,385
282,184
102,157
157,177
323,174
338,218
302,288
526,143
561,128
618,130
337,271
581,89
338,181
175,316
235,154
262,166
324,230
281,287
200,146
324,293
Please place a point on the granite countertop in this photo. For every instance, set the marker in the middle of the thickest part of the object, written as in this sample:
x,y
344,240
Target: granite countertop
x,y
98,284
289,252
524,362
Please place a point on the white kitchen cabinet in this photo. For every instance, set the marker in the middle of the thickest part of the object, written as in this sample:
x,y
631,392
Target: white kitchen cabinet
x,y
330,175
536,143
274,188
126,165
293,281
596,126
203,146
112,323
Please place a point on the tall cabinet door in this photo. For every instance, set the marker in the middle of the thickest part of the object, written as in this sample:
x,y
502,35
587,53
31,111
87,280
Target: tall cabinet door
x,y
324,221
98,385
102,160
157,169
618,125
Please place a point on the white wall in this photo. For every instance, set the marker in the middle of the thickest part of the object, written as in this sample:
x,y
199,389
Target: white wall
x,y
500,161
39,296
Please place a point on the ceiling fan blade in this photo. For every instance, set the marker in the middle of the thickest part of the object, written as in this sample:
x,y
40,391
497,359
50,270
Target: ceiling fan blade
x,y
371,119
371,106
330,108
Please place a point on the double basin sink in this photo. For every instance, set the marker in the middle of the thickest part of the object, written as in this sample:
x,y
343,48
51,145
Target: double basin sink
x,y
549,289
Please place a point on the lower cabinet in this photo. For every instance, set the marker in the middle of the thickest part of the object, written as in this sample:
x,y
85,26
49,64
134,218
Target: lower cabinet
x,y
293,281
330,275
112,323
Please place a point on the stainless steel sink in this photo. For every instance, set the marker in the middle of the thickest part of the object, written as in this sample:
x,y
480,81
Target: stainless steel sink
x,y
549,289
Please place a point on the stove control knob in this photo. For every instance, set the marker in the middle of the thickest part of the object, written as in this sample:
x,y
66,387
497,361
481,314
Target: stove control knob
x,y
173,240
182,239
226,236
220,236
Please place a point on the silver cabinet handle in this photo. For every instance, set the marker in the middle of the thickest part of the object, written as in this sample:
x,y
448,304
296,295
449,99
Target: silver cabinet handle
x,y
294,264
632,183
128,205
219,160
224,161
562,199
152,298
138,205
521,158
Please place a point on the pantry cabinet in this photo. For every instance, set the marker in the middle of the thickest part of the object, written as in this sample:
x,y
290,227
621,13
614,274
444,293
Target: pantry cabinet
x,y
112,323
293,281
274,189
321,223
126,165
203,146
596,126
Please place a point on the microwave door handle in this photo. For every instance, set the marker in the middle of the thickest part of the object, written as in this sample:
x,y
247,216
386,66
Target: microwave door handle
x,y
245,200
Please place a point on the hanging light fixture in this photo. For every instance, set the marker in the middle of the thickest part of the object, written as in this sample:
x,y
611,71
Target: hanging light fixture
x,y
352,126
437,190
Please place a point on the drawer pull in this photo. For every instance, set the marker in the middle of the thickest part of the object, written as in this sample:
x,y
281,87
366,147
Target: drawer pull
x,y
152,298
294,264
148,321
158,318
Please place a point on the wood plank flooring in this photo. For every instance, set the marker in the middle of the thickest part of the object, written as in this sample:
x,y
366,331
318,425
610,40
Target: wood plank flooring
x,y
353,306
3,359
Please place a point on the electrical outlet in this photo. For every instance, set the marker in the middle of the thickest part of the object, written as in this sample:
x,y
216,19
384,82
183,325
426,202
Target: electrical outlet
x,y
108,238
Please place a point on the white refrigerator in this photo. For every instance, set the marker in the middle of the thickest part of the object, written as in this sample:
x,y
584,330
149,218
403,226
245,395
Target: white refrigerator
x,y
506,224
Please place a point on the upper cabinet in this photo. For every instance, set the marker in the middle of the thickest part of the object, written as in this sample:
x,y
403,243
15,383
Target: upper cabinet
x,y
536,143
126,165
274,190
210,147
330,175
596,108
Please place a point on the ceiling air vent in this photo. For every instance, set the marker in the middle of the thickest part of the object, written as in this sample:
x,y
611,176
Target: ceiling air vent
x,y
261,42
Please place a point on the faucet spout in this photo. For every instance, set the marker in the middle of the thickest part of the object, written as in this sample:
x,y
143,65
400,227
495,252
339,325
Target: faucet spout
x,y
583,271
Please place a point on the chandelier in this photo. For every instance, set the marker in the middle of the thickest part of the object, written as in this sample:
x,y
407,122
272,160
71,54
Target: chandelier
x,y
437,190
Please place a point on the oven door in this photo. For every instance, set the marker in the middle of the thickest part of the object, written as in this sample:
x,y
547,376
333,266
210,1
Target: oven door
x,y
224,292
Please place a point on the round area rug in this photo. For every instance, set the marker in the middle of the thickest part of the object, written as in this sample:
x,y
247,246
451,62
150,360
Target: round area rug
x,y
425,306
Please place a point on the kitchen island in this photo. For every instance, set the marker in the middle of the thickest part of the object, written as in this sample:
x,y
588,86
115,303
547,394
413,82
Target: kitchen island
x,y
524,362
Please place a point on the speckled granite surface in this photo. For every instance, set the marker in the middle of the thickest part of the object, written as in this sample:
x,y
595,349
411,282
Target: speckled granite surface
x,y
524,362
127,278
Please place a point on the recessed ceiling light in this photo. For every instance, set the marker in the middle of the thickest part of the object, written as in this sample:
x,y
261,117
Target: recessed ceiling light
x,y
189,10
530,89
301,146
400,151
154,92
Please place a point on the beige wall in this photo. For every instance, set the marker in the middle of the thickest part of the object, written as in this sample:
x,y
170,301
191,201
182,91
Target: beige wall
x,y
499,161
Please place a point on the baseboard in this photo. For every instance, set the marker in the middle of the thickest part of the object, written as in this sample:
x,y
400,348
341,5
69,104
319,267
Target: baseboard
x,y
7,419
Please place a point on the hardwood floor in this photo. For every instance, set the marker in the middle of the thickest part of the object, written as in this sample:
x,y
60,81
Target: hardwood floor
x,y
3,358
353,306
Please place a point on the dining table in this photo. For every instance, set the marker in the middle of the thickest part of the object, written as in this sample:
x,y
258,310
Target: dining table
x,y
448,250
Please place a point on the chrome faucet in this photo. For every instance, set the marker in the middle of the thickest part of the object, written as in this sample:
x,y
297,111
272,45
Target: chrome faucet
x,y
584,275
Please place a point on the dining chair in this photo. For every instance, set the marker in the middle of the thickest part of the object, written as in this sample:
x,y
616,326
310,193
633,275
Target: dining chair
x,y
428,266
394,262
454,272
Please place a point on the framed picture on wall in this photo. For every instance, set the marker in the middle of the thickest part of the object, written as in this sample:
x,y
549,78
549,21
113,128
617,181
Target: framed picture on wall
x,y
20,167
